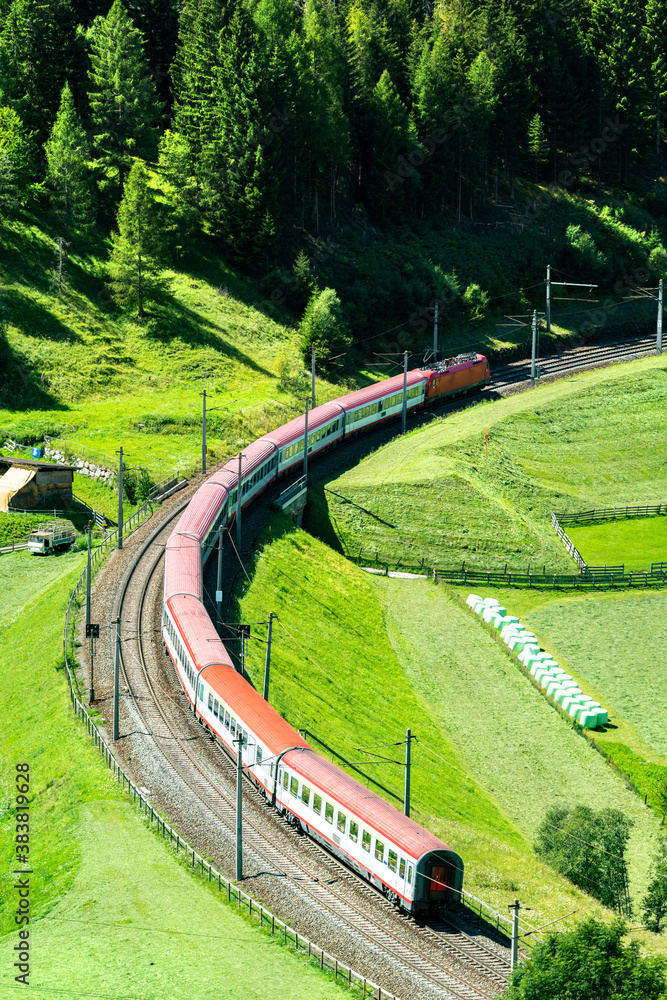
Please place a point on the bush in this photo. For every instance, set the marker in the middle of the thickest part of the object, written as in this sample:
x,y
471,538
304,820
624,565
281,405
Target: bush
x,y
654,903
137,485
588,963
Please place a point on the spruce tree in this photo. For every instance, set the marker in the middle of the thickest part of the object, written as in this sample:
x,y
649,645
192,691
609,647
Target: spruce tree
x,y
123,102
68,174
137,250
538,144
16,159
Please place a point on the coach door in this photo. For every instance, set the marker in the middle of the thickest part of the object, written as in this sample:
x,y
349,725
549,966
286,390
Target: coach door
x,y
437,876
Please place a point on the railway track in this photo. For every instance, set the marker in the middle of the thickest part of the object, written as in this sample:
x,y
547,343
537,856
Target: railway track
x,y
577,358
171,728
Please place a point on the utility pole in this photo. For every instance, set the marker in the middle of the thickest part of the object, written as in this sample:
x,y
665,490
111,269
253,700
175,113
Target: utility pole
x,y
406,798
548,298
563,284
312,365
88,570
239,809
120,498
116,677
218,589
238,508
659,338
533,372
203,432
267,665
435,334
404,414
305,445
515,907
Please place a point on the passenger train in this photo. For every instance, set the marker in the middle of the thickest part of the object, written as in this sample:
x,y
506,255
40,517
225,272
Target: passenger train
x,y
413,868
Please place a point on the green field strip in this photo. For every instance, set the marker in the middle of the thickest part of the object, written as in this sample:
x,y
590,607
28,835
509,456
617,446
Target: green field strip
x,y
504,727
112,912
616,680
375,655
591,440
635,543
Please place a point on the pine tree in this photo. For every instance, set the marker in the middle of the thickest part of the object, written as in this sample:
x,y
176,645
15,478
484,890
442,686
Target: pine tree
x,y
37,47
16,159
122,97
393,133
137,248
68,175
538,144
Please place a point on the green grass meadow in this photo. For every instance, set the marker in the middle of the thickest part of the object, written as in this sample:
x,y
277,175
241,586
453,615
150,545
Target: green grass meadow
x,y
592,440
112,912
635,542
356,659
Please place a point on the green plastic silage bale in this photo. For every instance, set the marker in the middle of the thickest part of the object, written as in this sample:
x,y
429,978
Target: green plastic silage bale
x,y
603,716
473,599
588,720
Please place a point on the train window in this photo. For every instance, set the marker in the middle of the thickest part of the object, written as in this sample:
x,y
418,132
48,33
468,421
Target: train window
x,y
258,758
399,398
374,408
210,702
348,418
380,405
401,868
317,438
317,804
305,794
354,831
226,719
232,727
393,400
379,850
341,821
301,445
285,780
201,692
328,812
271,770
393,859
294,786
367,411
366,840
244,737
356,415
410,874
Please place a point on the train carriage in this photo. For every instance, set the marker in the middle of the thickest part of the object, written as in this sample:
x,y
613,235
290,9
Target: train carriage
x,y
412,867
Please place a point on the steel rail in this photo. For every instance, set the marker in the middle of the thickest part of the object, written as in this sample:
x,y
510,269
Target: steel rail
x,y
275,853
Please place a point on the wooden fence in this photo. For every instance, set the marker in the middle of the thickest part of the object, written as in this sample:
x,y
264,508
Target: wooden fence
x,y
611,514
570,547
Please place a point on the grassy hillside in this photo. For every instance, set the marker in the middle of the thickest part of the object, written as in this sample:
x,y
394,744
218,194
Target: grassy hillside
x,y
81,369
592,440
357,659
112,912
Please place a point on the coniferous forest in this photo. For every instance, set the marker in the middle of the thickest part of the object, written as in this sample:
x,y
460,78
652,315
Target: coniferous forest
x,y
273,122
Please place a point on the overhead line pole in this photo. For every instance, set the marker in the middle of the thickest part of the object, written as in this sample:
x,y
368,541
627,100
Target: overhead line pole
x,y
406,797
305,445
533,367
120,498
267,665
238,507
405,392
239,809
116,680
659,331
218,589
563,284
312,389
203,432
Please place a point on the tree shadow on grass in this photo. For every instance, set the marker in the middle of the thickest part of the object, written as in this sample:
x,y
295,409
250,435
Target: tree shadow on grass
x,y
21,383
34,319
172,321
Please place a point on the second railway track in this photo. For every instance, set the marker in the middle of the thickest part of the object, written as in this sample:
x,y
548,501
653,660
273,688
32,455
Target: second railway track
x,y
439,964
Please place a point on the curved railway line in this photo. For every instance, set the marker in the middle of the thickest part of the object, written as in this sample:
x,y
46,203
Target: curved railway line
x,y
411,960
211,785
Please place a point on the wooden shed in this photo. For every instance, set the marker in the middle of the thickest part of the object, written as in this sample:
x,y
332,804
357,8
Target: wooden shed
x,y
29,485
